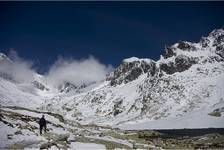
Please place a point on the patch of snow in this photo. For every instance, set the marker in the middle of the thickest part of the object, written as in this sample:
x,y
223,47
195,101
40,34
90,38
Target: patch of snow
x,y
193,120
132,59
109,138
87,146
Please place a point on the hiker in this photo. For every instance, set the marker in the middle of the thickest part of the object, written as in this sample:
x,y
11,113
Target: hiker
x,y
43,124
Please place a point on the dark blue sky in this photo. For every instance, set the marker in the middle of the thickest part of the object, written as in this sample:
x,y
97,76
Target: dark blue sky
x,y
110,31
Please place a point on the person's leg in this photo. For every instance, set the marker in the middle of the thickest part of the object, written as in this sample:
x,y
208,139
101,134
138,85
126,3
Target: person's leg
x,y
41,130
45,129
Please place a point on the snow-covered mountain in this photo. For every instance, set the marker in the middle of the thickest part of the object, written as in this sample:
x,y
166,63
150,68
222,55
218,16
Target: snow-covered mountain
x,y
185,85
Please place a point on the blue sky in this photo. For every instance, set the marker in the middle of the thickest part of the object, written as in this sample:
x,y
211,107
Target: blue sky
x,y
110,31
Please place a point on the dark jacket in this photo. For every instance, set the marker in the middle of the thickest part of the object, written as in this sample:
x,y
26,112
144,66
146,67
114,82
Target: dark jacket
x,y
42,122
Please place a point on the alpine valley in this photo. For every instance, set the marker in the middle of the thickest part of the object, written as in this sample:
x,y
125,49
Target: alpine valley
x,y
131,108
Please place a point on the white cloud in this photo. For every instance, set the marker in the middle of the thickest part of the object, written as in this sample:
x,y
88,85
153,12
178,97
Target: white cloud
x,y
17,68
78,72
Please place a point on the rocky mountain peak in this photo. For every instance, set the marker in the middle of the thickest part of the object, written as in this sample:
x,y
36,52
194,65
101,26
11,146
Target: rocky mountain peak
x,y
217,33
66,87
130,69
182,55
218,36
4,58
176,58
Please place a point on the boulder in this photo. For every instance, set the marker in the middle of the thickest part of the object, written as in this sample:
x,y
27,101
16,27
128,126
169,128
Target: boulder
x,y
18,132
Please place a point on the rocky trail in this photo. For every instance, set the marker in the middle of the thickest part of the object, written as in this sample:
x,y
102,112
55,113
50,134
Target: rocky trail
x,y
22,131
